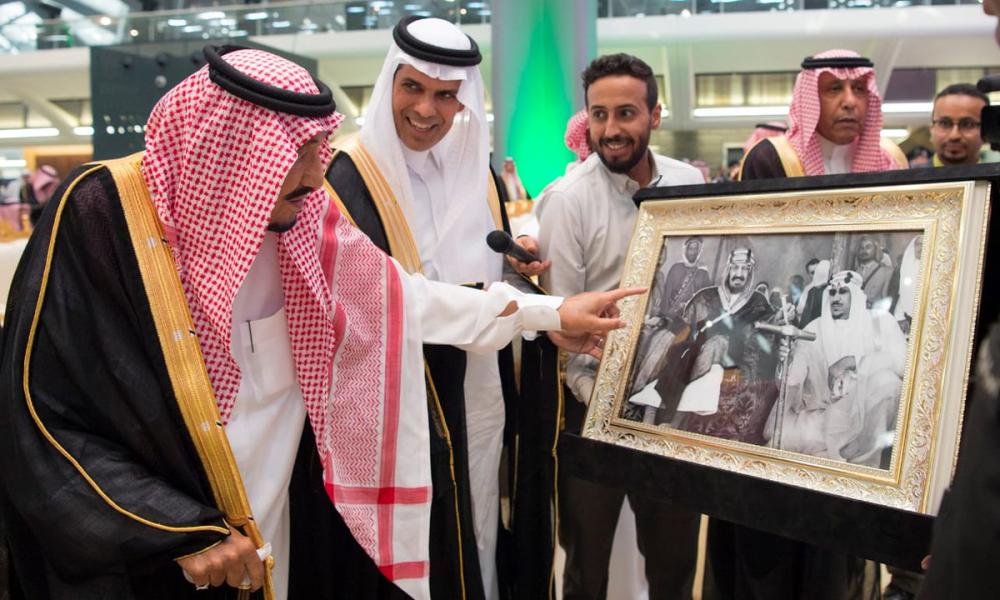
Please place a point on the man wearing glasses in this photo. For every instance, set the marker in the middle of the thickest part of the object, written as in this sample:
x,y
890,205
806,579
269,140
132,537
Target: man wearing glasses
x,y
955,125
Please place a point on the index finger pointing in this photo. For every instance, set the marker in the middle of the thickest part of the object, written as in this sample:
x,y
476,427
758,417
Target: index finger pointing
x,y
618,294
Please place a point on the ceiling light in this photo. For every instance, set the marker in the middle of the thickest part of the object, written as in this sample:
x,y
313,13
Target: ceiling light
x,y
176,22
281,24
907,107
83,130
12,163
255,16
192,29
212,14
741,111
895,133
104,21
29,132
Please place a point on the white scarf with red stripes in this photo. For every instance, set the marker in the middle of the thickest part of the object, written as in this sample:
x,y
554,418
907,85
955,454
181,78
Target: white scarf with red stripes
x,y
214,165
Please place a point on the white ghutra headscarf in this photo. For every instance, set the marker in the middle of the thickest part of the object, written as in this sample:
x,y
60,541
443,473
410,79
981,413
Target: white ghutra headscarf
x,y
464,154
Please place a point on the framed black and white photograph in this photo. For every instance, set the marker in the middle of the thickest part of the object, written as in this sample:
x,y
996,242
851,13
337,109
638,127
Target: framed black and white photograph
x,y
818,339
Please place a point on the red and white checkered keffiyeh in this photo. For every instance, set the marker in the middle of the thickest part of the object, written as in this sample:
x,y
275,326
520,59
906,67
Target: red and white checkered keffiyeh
x,y
803,116
760,133
214,165
576,135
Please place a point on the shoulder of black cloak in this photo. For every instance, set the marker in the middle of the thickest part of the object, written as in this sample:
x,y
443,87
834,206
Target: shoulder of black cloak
x,y
99,472
966,540
345,179
762,162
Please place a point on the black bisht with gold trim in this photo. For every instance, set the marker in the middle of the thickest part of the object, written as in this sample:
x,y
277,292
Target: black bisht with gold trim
x,y
94,385
526,540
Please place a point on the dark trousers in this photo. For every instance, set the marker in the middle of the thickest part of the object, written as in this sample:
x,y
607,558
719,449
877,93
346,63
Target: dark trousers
x,y
748,564
588,515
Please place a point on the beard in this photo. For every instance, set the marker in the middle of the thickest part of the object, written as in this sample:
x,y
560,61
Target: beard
x,y
731,285
623,166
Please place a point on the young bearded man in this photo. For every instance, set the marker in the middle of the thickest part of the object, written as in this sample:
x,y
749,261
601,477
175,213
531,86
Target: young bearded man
x,y
585,226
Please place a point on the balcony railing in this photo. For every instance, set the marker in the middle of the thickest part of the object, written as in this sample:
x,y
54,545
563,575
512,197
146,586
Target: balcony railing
x,y
22,31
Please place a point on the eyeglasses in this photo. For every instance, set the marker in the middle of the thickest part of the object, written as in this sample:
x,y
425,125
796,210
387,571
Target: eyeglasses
x,y
834,291
965,124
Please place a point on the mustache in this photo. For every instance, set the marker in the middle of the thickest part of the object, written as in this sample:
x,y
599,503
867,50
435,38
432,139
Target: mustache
x,y
618,139
299,192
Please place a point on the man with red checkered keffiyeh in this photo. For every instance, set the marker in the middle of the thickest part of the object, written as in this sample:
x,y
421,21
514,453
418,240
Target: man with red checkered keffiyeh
x,y
200,350
835,124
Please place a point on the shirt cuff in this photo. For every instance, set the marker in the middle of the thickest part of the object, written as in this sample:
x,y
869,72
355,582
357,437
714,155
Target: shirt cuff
x,y
539,313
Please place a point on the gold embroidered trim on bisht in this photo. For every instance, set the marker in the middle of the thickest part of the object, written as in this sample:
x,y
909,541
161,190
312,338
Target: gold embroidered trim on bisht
x,y
182,352
402,247
789,158
27,390
451,467
335,198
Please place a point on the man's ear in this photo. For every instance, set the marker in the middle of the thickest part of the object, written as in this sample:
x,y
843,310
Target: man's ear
x,y
655,121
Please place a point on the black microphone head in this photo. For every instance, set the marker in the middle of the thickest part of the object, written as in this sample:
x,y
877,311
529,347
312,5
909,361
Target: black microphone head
x,y
498,240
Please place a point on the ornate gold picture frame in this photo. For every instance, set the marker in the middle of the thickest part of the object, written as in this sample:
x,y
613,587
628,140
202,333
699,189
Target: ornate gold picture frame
x,y
846,373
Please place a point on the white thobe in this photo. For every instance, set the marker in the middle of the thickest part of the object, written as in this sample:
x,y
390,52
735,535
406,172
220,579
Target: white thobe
x,y
267,419
837,159
484,408
266,423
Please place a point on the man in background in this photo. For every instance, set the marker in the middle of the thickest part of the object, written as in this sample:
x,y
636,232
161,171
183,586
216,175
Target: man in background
x,y
835,124
956,123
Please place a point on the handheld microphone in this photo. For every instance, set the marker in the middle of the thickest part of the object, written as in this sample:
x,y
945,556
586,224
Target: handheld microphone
x,y
501,242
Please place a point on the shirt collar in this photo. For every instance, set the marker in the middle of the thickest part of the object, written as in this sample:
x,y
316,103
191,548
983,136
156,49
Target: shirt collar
x,y
835,155
422,161
626,185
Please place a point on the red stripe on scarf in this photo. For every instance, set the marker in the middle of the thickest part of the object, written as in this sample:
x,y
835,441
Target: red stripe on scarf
x,y
342,494
406,570
328,248
393,365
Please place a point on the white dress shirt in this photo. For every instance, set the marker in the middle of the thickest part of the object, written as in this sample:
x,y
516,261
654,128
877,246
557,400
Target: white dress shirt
x,y
585,226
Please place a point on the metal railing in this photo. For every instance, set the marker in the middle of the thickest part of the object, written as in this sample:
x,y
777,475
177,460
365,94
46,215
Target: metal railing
x,y
28,32
305,17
